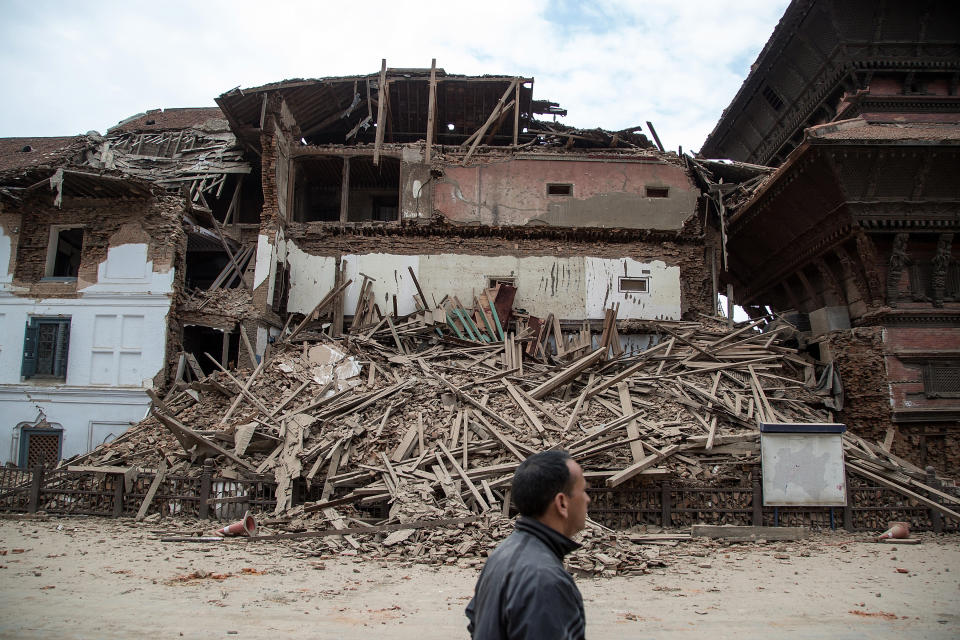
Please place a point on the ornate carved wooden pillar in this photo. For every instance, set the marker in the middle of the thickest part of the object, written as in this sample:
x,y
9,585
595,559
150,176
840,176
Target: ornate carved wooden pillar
x,y
895,265
870,265
853,273
941,262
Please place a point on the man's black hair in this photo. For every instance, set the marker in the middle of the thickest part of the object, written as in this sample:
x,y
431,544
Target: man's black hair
x,y
539,479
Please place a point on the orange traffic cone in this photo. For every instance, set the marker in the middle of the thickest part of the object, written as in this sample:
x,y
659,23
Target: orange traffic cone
x,y
896,530
247,526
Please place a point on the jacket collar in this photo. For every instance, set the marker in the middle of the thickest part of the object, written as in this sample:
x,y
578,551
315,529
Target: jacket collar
x,y
558,543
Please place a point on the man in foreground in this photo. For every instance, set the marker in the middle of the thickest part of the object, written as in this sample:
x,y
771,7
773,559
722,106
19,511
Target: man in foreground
x,y
523,591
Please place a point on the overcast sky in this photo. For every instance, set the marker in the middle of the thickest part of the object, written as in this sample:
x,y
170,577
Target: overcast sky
x,y
69,67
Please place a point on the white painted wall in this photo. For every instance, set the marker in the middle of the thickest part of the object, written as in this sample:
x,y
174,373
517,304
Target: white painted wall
x,y
118,330
6,248
87,415
392,278
661,302
571,288
311,278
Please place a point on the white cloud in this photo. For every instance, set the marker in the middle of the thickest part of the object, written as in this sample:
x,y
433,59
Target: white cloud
x,y
70,67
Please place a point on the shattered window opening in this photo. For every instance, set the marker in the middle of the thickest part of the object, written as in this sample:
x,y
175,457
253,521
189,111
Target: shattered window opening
x,y
63,254
493,281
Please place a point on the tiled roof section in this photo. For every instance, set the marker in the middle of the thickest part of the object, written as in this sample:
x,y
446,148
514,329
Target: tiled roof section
x,y
859,129
42,151
170,120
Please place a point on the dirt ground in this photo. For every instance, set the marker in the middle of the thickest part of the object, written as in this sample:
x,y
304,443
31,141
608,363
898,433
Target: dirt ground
x,y
97,578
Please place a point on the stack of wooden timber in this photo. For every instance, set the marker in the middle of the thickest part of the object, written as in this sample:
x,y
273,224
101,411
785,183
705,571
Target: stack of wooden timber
x,y
406,437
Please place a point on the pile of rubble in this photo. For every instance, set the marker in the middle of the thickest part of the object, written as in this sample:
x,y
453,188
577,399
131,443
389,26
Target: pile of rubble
x,y
406,432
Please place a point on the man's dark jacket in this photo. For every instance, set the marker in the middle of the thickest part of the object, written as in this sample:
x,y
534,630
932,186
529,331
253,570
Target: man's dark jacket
x,y
524,591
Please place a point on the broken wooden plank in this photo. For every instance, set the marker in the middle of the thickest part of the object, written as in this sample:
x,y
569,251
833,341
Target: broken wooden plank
x,y
181,430
466,479
636,468
901,489
152,491
567,374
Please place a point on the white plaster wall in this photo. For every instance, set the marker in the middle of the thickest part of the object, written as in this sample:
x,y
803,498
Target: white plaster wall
x,y
116,340
544,284
392,279
265,259
571,288
86,415
127,270
118,331
6,247
662,302
311,278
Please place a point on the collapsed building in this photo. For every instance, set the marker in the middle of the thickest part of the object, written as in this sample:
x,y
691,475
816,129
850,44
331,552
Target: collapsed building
x,y
188,232
840,208
101,237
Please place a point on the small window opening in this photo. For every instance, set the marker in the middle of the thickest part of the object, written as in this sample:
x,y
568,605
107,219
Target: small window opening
x,y
773,99
151,121
658,192
63,254
634,285
493,281
26,149
450,126
557,189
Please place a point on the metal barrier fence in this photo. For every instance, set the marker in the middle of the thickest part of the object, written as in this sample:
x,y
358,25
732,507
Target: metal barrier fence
x,y
112,494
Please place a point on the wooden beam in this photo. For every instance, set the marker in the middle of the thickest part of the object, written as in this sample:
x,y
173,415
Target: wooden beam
x,y
633,432
382,97
345,189
902,490
567,374
490,120
431,112
647,462
516,115
152,491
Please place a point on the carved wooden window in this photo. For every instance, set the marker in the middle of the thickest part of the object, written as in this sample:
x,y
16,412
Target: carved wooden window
x,y
953,281
942,379
46,344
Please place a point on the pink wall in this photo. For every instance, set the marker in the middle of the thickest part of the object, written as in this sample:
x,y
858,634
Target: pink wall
x,y
606,193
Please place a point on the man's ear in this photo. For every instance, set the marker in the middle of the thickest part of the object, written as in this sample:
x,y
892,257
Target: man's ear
x,y
561,501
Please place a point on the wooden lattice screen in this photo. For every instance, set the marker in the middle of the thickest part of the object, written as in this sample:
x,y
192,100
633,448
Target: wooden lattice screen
x,y
43,449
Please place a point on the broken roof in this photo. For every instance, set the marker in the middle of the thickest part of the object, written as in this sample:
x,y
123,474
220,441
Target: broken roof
x,y
171,119
25,153
339,110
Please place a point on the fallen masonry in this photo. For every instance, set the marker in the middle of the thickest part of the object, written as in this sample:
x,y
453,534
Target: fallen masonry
x,y
400,438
